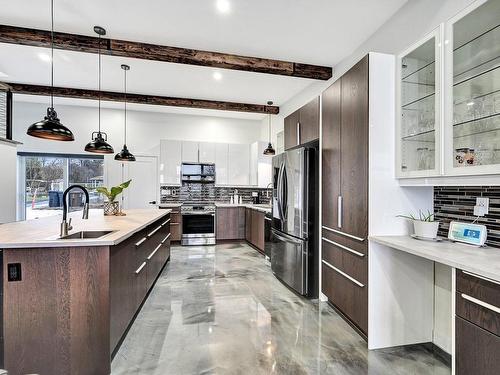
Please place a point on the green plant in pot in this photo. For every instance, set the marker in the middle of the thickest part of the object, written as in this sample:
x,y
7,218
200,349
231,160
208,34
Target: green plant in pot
x,y
424,224
112,206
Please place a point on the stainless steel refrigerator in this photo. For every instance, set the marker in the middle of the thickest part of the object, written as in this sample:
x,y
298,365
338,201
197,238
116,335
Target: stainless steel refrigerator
x,y
294,219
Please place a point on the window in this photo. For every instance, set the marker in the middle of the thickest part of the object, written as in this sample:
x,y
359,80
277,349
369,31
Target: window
x,y
46,176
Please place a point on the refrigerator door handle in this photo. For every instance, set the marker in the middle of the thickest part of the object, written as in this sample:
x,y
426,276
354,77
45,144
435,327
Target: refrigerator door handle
x,y
284,203
278,192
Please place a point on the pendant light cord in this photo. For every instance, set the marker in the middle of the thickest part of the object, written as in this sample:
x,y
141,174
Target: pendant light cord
x,y
269,121
99,80
125,85
52,54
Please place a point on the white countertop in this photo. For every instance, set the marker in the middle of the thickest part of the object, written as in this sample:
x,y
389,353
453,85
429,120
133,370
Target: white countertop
x,y
44,232
258,207
482,261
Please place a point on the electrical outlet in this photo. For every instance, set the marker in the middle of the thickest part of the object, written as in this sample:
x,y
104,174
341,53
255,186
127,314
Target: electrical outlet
x,y
482,206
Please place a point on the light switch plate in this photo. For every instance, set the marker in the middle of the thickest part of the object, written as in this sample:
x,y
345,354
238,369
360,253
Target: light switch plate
x,y
482,206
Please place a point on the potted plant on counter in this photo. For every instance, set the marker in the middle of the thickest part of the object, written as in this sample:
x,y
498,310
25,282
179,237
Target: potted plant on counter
x,y
111,206
424,225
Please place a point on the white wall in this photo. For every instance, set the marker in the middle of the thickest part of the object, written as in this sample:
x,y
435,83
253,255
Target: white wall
x,y
8,182
144,130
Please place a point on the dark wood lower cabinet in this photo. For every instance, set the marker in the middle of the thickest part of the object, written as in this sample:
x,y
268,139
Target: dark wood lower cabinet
x,y
230,223
257,230
73,304
477,350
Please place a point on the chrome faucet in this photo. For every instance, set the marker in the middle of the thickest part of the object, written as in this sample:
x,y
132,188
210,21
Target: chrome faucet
x,y
66,225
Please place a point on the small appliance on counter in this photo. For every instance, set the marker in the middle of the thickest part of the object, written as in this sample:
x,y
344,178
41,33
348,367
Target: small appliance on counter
x,y
255,197
472,234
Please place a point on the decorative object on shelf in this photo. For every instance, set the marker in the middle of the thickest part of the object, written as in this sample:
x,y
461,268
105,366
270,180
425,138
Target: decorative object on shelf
x,y
424,225
50,127
99,143
112,207
125,154
269,149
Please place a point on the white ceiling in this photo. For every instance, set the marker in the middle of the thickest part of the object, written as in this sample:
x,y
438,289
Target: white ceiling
x,y
317,32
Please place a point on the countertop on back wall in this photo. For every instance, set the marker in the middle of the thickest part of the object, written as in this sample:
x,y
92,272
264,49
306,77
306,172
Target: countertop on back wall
x,y
266,208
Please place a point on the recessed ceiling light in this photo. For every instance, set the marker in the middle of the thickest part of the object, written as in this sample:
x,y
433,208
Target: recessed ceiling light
x,y
44,57
223,6
217,76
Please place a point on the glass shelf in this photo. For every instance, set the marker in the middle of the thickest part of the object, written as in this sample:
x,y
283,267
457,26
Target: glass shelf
x,y
478,52
424,76
422,103
480,85
425,136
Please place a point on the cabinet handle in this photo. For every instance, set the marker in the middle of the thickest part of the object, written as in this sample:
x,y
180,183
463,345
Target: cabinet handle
x,y
153,232
344,274
343,233
481,277
138,271
174,223
166,238
481,303
343,247
140,242
154,251
298,132
166,222
339,211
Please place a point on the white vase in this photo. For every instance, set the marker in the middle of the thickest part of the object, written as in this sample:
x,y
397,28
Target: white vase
x,y
426,229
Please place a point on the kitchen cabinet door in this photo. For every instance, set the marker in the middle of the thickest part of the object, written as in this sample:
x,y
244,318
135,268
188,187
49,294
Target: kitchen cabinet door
x,y
331,155
248,224
472,84
190,152
257,230
228,223
354,148
291,130
309,122
207,152
170,162
239,164
476,349
418,129
221,164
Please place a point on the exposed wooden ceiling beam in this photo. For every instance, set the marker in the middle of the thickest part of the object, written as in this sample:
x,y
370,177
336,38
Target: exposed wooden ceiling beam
x,y
146,51
66,92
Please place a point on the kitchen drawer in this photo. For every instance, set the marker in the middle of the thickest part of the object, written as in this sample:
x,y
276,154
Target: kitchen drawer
x,y
350,297
478,287
349,261
476,311
342,239
477,350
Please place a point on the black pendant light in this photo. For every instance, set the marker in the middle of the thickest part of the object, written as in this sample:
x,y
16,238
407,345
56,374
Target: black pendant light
x,y
99,143
125,154
50,127
269,149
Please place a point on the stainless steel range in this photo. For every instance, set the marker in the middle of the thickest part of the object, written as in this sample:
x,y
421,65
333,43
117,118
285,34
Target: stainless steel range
x,y
198,223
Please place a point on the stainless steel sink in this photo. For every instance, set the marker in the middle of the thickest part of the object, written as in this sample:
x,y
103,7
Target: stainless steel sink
x,y
86,234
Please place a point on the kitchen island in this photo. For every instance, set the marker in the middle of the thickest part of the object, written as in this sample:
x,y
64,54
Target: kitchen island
x,y
67,303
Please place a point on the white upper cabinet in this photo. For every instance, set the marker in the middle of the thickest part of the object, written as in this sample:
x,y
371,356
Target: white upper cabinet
x,y
472,108
190,152
418,108
170,162
445,139
207,152
239,164
221,164
260,165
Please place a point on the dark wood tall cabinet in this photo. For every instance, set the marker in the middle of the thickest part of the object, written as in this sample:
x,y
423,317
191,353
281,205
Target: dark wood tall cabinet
x,y
345,195
302,126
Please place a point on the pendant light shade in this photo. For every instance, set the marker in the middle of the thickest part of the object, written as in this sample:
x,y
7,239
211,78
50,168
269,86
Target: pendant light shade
x,y
99,143
50,127
269,151
125,154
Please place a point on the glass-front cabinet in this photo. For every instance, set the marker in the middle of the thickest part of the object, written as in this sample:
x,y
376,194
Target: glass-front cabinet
x,y
460,134
472,134
418,108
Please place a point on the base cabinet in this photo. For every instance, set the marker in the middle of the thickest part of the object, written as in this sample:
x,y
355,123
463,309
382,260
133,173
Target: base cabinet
x,y
230,223
254,228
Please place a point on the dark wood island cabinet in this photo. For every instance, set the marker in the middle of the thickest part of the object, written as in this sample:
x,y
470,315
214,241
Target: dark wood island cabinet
x,y
73,304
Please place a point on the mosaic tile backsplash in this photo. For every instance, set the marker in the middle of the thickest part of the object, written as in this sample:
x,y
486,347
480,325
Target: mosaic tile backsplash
x,y
457,203
210,193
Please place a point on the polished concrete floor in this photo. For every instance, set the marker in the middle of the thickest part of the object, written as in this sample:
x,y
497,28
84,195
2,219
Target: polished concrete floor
x,y
219,310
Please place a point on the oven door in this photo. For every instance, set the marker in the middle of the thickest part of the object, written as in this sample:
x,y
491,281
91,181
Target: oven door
x,y
198,229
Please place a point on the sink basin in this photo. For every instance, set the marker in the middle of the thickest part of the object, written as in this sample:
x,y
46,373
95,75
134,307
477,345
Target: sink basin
x,y
86,234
